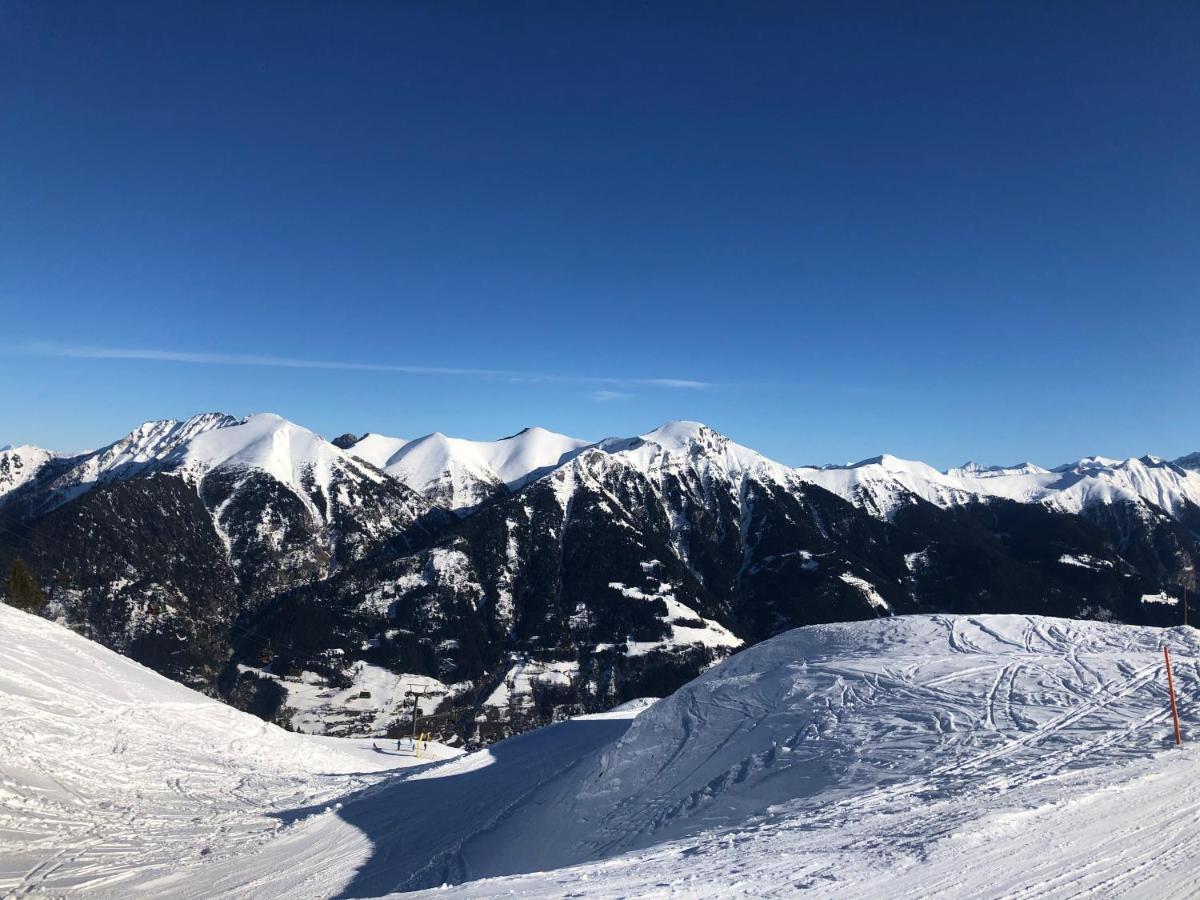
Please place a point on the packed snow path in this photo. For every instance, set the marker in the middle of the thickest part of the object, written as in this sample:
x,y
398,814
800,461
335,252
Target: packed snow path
x,y
913,756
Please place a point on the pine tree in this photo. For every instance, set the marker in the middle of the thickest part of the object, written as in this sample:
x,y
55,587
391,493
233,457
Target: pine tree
x,y
22,589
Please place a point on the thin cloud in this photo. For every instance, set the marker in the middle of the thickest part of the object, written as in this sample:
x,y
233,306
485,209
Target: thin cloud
x,y
72,351
610,396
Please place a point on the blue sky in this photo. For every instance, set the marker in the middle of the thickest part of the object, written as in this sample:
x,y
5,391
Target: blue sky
x,y
944,231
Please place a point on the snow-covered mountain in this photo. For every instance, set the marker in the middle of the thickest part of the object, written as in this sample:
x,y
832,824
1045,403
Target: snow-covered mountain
x,y
978,470
20,464
252,474
143,449
885,483
160,541
306,579
460,474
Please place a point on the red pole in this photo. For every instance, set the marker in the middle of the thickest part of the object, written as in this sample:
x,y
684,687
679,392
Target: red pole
x,y
1171,688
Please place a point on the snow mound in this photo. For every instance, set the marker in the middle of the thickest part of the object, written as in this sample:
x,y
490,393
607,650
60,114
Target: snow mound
x,y
829,711
820,730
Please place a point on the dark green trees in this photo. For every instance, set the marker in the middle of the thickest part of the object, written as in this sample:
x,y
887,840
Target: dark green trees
x,y
22,589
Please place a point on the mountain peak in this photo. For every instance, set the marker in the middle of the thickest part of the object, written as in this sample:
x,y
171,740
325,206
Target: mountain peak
x,y
1191,461
20,464
678,434
459,473
890,463
973,469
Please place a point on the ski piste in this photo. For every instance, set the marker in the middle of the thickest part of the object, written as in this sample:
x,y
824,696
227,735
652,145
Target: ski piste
x,y
912,756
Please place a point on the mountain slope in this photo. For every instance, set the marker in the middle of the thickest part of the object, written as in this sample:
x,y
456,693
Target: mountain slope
x,y
631,567
254,559
289,505
160,543
20,464
109,771
143,449
839,755
911,756
460,474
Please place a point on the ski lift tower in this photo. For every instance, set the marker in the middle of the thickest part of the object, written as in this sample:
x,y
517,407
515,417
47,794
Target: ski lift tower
x,y
1187,571
415,696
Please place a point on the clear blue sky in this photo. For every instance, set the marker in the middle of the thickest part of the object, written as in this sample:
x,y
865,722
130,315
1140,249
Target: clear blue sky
x,y
944,231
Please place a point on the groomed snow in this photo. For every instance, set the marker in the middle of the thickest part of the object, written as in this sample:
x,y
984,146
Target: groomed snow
x,y
906,757
113,776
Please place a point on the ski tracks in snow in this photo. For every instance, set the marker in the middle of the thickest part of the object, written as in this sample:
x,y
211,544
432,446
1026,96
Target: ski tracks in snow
x,y
914,756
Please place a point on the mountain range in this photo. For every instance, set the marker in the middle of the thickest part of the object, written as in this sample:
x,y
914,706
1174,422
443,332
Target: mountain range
x,y
493,586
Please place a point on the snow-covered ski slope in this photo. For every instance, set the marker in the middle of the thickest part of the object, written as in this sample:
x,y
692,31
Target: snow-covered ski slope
x,y
910,756
112,775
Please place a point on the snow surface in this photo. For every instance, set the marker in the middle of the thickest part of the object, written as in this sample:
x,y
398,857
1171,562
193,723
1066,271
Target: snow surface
x,y
112,775
1161,597
375,700
904,757
870,594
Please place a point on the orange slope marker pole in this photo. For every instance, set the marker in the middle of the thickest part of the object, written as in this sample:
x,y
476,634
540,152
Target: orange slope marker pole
x,y
1171,688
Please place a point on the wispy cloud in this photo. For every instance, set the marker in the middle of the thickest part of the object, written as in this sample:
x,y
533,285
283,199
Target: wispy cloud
x,y
609,396
74,351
